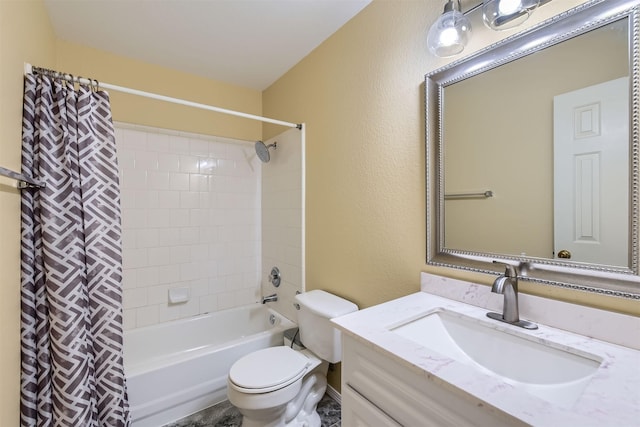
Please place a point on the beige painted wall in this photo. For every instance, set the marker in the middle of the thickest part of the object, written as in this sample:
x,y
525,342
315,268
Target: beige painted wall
x,y
104,66
361,96
25,35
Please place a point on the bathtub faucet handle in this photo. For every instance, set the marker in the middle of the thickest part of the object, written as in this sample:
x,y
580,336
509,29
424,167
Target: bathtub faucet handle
x,y
274,277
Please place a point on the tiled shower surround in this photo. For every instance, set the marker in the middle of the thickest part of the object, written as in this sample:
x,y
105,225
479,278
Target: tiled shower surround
x,y
282,220
191,216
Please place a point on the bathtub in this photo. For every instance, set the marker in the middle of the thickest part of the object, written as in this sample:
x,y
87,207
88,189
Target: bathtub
x,y
177,368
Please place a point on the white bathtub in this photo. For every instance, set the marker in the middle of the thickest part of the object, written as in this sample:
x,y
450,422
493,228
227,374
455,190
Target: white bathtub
x,y
177,368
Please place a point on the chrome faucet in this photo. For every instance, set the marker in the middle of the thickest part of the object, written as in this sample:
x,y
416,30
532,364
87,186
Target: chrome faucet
x,y
507,284
270,298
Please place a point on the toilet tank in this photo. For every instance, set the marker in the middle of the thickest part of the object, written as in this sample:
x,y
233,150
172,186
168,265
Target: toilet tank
x,y
317,333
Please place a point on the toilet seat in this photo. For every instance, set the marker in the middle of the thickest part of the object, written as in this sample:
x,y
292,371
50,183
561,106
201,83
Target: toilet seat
x,y
268,370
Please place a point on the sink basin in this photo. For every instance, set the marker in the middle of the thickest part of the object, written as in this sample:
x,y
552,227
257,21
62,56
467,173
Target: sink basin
x,y
526,362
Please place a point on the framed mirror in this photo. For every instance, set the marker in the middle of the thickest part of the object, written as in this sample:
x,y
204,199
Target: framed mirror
x,y
532,153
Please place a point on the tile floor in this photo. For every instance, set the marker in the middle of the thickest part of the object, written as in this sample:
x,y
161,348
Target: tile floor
x,y
226,415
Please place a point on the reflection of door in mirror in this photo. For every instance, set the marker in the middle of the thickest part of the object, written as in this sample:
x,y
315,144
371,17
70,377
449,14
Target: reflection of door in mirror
x,y
498,135
591,180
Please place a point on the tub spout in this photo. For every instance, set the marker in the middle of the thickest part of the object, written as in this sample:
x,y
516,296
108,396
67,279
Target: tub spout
x,y
270,298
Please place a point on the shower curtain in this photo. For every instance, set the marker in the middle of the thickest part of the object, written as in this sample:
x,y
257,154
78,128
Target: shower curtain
x,y
72,340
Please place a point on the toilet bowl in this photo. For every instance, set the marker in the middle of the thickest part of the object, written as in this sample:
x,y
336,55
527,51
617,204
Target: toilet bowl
x,y
280,386
271,387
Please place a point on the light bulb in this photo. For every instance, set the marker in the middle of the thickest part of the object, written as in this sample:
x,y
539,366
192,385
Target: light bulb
x,y
507,7
504,14
448,37
450,33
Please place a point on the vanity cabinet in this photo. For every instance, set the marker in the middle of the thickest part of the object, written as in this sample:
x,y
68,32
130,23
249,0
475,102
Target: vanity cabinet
x,y
357,411
378,390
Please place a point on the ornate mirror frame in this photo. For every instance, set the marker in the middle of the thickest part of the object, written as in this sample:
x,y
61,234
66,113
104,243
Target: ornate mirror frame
x,y
617,281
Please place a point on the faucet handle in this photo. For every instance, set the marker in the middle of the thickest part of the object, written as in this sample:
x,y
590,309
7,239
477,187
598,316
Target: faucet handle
x,y
510,270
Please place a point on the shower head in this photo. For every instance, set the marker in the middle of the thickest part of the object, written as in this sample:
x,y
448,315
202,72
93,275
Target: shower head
x,y
262,151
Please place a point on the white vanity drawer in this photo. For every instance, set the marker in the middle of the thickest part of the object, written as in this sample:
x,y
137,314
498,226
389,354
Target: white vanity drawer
x,y
359,412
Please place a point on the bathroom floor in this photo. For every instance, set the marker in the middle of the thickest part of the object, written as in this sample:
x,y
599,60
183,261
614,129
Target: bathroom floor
x,y
226,415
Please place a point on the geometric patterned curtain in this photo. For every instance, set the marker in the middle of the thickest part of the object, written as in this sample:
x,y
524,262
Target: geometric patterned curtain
x,y
72,341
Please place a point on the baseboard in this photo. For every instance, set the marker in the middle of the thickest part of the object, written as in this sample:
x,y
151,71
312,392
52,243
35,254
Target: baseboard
x,y
333,393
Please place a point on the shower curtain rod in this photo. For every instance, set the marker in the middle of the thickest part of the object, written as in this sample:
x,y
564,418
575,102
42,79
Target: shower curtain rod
x,y
28,69
23,181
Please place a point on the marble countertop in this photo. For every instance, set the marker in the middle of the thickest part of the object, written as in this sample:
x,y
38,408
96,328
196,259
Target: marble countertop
x,y
611,397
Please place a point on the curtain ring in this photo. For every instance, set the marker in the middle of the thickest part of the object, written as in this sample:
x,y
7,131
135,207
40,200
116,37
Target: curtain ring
x,y
63,77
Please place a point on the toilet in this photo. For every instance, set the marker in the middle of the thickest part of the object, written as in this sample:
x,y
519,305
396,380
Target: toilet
x,y
281,386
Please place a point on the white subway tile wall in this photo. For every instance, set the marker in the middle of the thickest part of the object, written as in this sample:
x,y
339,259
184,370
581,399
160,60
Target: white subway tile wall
x,y
191,216
282,220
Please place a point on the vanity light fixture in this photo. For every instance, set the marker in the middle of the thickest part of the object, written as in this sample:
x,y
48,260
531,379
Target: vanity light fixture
x,y
505,14
451,32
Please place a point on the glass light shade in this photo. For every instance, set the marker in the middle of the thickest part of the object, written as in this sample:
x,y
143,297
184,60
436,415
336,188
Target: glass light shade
x,y
449,34
504,14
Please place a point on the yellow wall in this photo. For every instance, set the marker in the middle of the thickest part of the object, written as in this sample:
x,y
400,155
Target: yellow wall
x,y
25,35
361,96
117,70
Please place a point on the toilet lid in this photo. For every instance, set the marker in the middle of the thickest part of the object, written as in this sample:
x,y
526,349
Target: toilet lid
x,y
267,368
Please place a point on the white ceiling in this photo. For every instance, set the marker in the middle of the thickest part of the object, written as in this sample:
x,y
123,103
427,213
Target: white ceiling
x,y
250,43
